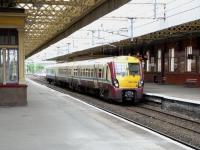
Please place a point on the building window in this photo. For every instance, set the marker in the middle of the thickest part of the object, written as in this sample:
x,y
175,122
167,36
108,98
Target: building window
x,y
8,37
166,64
148,62
100,73
159,61
171,60
9,65
153,64
182,64
191,60
1,66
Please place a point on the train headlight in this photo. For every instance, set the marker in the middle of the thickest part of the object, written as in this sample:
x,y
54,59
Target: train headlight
x,y
141,83
116,83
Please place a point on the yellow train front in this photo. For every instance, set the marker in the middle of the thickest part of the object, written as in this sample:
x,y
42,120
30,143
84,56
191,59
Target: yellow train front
x,y
127,78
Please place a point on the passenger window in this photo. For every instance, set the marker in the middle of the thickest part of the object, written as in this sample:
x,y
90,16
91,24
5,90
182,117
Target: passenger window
x,y
100,73
107,73
92,73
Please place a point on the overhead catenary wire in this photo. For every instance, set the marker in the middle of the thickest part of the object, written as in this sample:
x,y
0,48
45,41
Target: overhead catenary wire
x,y
184,3
169,16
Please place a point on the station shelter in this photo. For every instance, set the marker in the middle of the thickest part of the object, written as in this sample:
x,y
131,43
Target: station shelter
x,y
29,26
13,90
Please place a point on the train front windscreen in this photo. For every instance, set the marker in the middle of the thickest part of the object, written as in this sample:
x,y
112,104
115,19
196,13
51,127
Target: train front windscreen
x,y
125,69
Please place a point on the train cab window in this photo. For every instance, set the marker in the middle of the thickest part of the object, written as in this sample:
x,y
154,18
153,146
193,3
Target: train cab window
x,y
121,69
134,68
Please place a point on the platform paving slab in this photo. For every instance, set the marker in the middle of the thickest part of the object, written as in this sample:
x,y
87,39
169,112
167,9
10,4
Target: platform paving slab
x,y
54,121
177,91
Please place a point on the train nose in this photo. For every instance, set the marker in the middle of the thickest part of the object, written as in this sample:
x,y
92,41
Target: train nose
x,y
129,81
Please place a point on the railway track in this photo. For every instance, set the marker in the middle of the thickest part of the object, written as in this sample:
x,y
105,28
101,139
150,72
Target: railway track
x,y
168,118
175,126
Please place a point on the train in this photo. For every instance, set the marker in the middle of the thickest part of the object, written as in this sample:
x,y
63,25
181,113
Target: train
x,y
118,78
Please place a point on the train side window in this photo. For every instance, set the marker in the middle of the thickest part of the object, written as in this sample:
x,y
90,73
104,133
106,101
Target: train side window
x,y
107,73
100,73
74,72
79,72
95,73
102,76
92,73
88,72
84,72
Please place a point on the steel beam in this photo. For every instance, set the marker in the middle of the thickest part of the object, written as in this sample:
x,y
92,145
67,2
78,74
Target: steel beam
x,y
88,17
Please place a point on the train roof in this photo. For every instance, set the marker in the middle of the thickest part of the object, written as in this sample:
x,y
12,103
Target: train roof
x,y
95,61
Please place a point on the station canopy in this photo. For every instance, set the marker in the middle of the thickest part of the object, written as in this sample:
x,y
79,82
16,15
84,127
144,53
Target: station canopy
x,y
48,20
187,29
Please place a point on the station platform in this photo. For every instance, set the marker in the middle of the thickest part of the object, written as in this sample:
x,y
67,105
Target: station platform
x,y
56,121
176,92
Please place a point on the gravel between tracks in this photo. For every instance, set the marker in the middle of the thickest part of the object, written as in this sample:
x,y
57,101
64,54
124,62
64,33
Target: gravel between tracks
x,y
177,128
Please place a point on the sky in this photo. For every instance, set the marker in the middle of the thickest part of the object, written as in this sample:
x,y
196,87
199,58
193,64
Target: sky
x,y
131,20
